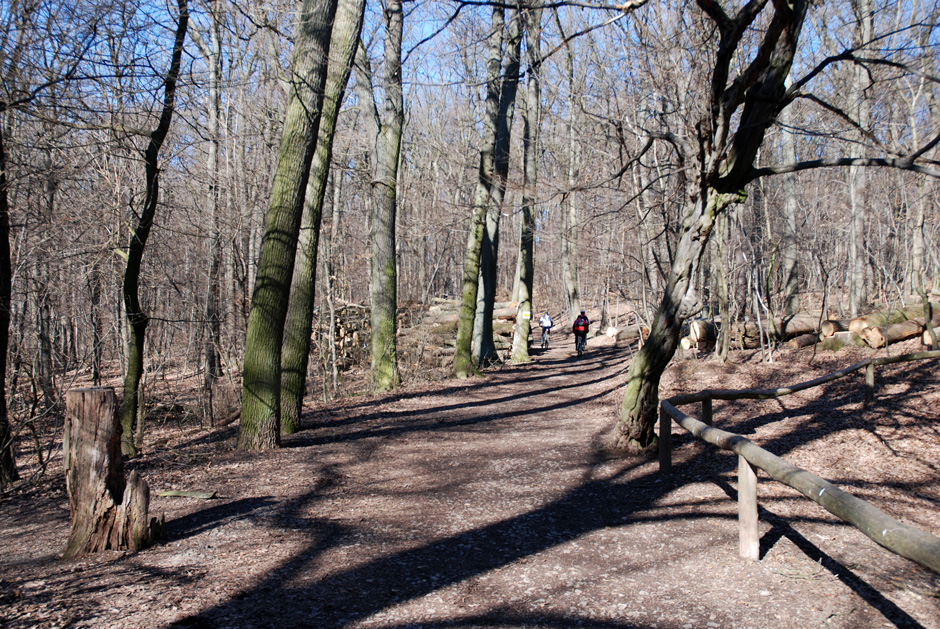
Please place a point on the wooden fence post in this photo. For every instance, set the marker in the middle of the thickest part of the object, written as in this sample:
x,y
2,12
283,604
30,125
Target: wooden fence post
x,y
748,538
107,511
665,441
707,410
869,384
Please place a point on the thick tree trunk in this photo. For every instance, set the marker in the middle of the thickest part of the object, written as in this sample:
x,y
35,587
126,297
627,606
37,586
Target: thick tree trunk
x,y
384,275
137,319
463,356
261,383
295,349
107,512
490,250
790,243
726,167
635,429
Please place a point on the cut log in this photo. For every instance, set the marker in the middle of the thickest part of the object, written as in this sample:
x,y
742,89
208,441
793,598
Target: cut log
x,y
797,325
632,332
893,333
803,340
926,338
107,511
702,331
830,327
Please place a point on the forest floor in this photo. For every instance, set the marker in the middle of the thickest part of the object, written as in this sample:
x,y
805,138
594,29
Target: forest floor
x,y
491,503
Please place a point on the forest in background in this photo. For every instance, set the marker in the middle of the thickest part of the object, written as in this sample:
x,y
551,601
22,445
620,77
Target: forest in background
x,y
621,104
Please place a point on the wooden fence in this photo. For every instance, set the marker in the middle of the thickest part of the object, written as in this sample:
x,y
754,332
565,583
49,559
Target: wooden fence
x,y
896,536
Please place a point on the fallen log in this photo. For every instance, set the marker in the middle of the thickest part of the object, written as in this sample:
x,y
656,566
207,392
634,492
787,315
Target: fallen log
x,y
630,333
797,325
803,340
890,334
926,338
175,493
702,331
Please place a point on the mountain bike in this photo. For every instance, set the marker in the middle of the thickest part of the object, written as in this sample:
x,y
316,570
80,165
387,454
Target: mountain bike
x,y
580,343
545,337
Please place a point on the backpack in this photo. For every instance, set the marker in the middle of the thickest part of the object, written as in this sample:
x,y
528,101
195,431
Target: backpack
x,y
580,325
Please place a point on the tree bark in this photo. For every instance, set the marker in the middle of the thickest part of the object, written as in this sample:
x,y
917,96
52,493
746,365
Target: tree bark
x,y
295,349
137,319
383,287
463,357
260,425
490,248
212,363
532,16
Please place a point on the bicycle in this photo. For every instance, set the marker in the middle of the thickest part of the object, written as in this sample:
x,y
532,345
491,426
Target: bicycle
x,y
545,337
580,343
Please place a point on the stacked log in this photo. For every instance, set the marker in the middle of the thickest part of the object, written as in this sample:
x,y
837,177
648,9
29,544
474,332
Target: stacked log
x,y
795,326
896,332
830,327
702,335
803,340
897,327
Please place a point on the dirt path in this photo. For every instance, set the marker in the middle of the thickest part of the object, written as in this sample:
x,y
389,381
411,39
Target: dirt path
x,y
483,503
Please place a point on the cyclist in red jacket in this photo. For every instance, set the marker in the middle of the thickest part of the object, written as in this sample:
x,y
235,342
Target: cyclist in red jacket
x,y
580,329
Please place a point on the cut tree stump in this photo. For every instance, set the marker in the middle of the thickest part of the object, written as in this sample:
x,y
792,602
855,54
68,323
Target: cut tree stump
x,y
107,511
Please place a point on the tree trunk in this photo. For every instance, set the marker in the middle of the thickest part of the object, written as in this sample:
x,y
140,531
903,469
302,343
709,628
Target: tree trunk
x,y
635,430
212,364
530,142
137,320
790,244
8,471
726,167
261,388
858,195
490,248
295,349
383,287
107,512
569,209
463,356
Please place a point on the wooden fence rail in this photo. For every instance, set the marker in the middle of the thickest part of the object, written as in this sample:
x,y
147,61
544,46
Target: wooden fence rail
x,y
896,536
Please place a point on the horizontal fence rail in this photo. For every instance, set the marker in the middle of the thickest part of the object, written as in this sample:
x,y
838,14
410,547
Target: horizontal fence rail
x,y
899,538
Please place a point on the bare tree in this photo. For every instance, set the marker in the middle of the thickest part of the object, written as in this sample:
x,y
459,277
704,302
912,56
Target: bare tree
x,y
137,319
260,425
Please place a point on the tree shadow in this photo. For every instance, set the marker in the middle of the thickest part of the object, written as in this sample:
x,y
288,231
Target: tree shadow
x,y
357,592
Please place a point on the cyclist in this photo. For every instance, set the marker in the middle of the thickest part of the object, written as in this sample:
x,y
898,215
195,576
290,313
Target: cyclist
x,y
580,329
546,323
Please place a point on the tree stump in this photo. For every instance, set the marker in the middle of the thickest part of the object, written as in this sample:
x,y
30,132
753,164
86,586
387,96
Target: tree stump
x,y
107,511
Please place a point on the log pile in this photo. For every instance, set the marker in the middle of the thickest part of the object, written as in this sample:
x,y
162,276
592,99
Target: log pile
x,y
701,336
881,329
353,328
435,333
